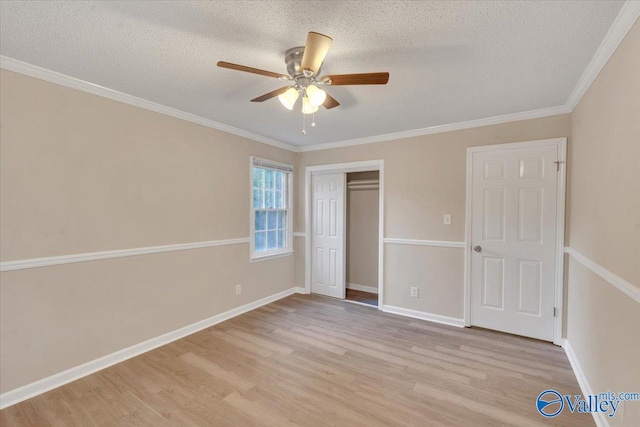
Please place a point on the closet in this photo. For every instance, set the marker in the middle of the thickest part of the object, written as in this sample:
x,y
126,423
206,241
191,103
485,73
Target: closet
x,y
362,227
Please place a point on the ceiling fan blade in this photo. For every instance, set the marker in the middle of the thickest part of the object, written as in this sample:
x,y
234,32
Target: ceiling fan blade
x,y
315,50
330,102
357,79
271,94
246,69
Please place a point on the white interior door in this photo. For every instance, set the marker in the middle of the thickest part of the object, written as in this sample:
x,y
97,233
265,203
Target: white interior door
x,y
513,233
327,236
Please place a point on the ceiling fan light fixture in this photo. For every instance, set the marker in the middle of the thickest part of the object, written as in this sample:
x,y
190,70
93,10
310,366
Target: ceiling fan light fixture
x,y
316,95
307,107
289,98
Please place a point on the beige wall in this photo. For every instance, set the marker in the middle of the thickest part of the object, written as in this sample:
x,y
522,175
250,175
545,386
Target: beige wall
x,y
424,178
362,232
603,325
81,173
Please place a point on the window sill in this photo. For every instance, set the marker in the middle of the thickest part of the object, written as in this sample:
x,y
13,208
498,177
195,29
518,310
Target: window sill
x,y
271,256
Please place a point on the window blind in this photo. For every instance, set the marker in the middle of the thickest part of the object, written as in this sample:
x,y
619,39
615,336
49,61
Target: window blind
x,y
269,164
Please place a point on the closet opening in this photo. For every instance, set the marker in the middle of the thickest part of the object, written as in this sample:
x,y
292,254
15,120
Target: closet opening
x,y
361,237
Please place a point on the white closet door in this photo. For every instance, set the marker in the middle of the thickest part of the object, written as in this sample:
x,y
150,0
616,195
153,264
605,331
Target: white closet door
x,y
328,234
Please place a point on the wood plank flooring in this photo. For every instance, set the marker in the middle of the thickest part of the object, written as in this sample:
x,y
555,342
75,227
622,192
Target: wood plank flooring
x,y
314,361
362,297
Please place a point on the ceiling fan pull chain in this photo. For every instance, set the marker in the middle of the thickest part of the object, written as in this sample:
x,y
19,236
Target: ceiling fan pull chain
x,y
313,120
304,123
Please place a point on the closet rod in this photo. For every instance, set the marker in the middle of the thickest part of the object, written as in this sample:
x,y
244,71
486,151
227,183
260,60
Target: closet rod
x,y
369,184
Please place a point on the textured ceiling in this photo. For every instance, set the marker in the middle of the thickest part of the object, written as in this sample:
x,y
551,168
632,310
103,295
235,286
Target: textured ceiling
x,y
449,61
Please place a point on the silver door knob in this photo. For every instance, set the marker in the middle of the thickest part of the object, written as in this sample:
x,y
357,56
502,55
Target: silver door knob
x,y
477,248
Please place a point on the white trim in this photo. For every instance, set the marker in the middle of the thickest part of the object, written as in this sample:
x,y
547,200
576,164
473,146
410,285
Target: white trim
x,y
429,317
272,255
300,234
71,82
627,16
41,386
561,197
120,253
363,288
435,243
362,166
507,118
364,304
626,287
561,146
467,238
599,417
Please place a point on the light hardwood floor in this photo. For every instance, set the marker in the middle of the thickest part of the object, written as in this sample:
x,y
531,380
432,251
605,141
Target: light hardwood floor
x,y
362,297
314,361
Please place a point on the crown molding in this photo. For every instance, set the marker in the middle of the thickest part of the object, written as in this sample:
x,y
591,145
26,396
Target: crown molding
x,y
627,16
506,118
31,70
55,77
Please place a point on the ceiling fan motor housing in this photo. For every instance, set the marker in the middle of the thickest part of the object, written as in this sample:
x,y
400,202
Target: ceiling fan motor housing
x,y
293,59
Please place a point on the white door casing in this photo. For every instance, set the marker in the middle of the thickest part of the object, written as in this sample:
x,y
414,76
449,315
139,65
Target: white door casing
x,y
360,166
328,235
513,233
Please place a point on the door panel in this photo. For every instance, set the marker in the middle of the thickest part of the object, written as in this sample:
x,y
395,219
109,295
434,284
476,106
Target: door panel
x,y
529,286
493,283
530,214
493,218
513,226
327,241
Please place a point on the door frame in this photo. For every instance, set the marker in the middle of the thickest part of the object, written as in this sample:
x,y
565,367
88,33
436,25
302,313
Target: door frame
x,y
561,145
364,166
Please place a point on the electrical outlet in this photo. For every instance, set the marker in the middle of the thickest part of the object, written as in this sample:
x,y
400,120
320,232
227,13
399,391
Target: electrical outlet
x,y
414,292
238,289
446,219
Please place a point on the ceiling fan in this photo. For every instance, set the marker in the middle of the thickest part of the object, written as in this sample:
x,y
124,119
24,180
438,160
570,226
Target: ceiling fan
x,y
303,67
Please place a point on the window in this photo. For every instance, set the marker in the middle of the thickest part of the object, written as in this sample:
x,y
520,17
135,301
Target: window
x,y
270,209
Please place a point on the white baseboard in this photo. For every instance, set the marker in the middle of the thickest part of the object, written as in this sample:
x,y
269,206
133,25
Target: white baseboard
x,y
301,290
363,288
585,387
430,317
41,386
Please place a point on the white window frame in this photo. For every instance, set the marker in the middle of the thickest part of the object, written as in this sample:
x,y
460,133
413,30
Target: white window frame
x,y
261,256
